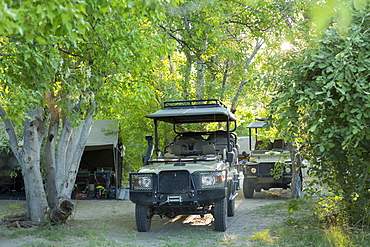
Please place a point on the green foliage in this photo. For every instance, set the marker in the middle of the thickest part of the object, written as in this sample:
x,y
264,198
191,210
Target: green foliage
x,y
293,205
213,41
84,53
323,104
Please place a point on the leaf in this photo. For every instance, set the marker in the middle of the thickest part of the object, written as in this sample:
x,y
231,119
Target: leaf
x,y
359,4
311,64
321,65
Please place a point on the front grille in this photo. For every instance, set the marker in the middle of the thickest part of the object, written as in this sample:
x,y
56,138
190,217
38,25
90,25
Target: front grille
x,y
174,182
264,169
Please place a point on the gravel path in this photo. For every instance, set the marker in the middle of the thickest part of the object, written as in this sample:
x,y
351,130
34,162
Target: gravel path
x,y
115,221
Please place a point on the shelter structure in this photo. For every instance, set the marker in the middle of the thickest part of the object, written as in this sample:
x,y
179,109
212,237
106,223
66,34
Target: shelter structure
x,y
101,162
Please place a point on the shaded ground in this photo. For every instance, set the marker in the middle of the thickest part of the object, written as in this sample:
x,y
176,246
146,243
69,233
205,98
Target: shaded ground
x,y
112,222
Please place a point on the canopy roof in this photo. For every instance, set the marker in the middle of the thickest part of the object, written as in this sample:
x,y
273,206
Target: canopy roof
x,y
256,125
193,113
103,135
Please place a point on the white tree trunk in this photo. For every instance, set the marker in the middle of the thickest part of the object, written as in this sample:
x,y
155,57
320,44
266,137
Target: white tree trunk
x,y
28,156
50,158
70,149
296,185
62,167
200,79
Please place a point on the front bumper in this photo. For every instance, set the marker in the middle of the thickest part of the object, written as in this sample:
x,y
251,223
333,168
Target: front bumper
x,y
178,187
268,180
196,197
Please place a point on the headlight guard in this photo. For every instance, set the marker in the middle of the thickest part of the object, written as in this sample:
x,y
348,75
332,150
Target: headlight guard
x,y
210,179
142,181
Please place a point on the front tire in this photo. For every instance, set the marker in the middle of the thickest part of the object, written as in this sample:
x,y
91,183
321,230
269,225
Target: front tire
x,y
143,215
231,207
220,215
248,189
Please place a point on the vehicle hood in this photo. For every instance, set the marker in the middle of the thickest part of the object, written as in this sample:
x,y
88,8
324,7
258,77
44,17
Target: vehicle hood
x,y
180,165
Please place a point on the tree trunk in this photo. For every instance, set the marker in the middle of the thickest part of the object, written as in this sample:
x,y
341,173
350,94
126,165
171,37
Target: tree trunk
x,y
224,78
28,157
200,79
62,210
34,131
187,77
296,185
61,171
51,190
70,149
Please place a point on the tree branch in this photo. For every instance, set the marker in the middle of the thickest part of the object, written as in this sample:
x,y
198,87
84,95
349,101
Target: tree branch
x,y
13,141
259,44
180,41
71,54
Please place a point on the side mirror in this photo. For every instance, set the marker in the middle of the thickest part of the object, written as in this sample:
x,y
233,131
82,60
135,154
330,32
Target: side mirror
x,y
245,154
149,151
230,157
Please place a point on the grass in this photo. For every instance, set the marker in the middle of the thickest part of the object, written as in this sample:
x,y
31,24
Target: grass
x,y
301,228
12,210
297,227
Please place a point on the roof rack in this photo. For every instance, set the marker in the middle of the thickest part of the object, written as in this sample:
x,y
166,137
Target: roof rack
x,y
193,104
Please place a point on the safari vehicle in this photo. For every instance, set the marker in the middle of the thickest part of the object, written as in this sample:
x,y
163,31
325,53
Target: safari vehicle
x,y
267,165
197,173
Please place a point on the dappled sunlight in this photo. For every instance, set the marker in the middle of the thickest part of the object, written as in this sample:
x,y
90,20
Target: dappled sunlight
x,y
193,220
285,46
197,220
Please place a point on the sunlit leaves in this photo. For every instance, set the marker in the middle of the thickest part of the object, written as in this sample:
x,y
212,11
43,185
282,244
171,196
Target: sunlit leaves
x,y
336,11
325,101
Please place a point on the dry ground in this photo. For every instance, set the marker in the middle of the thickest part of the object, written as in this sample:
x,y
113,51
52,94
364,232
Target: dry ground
x,y
113,223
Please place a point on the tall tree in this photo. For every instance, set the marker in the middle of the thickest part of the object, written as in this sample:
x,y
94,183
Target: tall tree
x,y
223,43
65,56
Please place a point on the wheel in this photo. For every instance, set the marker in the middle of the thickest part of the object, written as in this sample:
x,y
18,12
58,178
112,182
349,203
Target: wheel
x,y
231,207
248,189
143,217
220,215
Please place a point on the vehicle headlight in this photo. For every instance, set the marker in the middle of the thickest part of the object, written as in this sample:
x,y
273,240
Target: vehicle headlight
x,y
288,170
208,180
143,181
253,170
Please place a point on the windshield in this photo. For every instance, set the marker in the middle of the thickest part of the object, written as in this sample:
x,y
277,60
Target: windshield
x,y
204,127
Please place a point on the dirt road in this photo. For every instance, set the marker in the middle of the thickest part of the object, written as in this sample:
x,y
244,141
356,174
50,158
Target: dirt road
x,y
115,221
